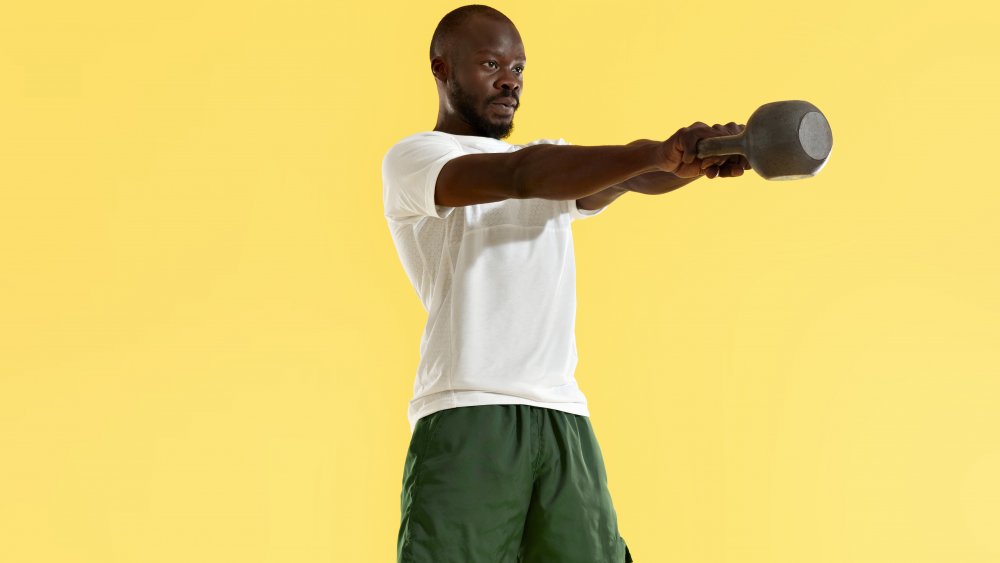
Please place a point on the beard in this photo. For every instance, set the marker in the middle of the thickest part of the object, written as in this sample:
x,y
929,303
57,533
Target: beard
x,y
465,104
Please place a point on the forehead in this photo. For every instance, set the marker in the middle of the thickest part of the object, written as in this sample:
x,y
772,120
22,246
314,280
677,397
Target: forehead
x,y
484,36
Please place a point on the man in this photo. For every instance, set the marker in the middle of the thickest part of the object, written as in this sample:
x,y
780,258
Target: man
x,y
503,464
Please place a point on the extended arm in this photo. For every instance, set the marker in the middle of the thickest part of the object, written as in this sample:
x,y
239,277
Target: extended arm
x,y
564,172
656,183
546,171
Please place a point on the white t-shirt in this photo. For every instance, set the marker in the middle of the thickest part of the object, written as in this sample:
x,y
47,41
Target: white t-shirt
x,y
498,281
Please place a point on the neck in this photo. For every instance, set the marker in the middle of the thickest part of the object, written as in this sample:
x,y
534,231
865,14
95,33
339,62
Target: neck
x,y
451,123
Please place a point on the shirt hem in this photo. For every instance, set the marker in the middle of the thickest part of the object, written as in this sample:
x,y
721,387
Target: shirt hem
x,y
478,398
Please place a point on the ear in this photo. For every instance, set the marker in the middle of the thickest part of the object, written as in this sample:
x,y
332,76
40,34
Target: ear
x,y
439,68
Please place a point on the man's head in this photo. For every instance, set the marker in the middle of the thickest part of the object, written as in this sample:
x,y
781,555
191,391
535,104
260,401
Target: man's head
x,y
477,58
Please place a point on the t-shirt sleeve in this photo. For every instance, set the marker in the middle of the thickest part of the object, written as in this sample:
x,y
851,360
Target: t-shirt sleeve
x,y
569,205
409,175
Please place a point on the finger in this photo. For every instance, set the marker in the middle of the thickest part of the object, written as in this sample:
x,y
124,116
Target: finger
x,y
716,161
690,139
713,160
689,149
737,161
726,168
712,171
744,163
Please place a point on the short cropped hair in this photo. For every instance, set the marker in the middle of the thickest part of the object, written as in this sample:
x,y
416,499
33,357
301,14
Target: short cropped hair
x,y
452,22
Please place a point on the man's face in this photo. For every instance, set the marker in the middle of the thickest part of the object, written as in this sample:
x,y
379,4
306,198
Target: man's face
x,y
486,81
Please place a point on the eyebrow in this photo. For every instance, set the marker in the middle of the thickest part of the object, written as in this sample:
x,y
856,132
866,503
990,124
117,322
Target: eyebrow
x,y
491,52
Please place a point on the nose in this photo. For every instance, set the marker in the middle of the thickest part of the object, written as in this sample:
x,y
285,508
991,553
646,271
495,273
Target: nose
x,y
509,81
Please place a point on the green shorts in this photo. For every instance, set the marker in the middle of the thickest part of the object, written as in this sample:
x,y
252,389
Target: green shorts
x,y
506,484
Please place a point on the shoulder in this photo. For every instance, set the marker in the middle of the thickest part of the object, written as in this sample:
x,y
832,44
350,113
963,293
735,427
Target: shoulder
x,y
426,138
554,141
421,147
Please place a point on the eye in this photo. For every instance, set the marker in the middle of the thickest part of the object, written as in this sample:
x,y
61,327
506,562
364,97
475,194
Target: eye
x,y
518,69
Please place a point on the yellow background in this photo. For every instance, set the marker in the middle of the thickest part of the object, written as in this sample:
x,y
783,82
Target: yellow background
x,y
208,342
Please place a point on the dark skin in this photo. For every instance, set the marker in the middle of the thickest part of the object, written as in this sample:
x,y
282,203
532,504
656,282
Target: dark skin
x,y
482,68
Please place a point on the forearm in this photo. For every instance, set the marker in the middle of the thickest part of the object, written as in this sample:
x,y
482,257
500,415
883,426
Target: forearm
x,y
604,197
655,183
564,172
650,183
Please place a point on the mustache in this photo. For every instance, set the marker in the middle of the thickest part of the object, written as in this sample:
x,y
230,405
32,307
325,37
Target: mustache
x,y
515,97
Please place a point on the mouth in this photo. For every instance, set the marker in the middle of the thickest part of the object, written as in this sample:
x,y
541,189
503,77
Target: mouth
x,y
501,108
